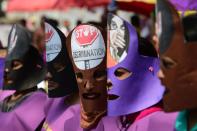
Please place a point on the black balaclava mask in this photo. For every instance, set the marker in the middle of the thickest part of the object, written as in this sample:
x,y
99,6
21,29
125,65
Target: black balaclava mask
x,y
24,67
61,76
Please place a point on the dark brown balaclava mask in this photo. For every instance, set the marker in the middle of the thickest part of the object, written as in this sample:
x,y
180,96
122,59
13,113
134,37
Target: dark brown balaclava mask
x,y
24,66
178,53
87,50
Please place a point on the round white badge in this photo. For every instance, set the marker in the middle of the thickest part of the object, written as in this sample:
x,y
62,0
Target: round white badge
x,y
88,48
53,42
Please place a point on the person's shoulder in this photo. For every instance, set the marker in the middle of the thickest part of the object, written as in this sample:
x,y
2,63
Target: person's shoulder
x,y
164,115
38,96
6,93
157,121
75,109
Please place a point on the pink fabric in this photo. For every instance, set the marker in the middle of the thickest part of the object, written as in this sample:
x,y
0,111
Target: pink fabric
x,y
4,94
147,112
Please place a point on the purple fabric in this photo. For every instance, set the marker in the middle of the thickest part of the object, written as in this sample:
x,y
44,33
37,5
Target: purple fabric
x,y
2,63
140,90
5,93
157,121
72,120
27,116
55,109
183,5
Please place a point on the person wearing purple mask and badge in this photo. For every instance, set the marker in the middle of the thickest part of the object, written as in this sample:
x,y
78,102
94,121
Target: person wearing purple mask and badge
x,y
134,91
62,85
24,69
177,47
87,50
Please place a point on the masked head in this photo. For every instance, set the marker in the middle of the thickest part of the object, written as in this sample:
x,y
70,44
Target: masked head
x,y
178,44
88,52
24,67
60,75
132,78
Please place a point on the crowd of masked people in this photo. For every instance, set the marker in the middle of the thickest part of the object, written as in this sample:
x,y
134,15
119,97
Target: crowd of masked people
x,y
102,77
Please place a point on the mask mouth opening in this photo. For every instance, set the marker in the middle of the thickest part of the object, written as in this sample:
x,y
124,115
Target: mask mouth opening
x,y
112,97
91,95
52,85
7,81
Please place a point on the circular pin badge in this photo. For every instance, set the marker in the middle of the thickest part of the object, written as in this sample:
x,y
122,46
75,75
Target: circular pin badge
x,y
53,42
88,48
118,40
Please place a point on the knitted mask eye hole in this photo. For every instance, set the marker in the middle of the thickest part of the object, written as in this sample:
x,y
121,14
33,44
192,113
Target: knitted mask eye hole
x,y
79,77
16,65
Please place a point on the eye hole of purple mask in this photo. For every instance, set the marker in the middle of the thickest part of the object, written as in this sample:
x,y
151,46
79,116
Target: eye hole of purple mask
x,y
122,73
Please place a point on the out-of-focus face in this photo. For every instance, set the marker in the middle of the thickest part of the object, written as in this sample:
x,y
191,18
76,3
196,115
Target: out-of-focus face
x,y
178,65
88,52
178,73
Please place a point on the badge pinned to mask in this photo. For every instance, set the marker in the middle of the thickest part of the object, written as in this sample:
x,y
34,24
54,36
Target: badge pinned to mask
x,y
88,48
118,40
53,43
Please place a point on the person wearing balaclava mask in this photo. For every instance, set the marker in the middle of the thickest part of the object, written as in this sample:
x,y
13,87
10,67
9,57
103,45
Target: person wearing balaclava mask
x,y
62,85
24,69
87,49
177,48
134,90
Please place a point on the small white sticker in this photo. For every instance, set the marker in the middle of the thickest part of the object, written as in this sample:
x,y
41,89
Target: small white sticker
x,y
53,42
88,48
13,39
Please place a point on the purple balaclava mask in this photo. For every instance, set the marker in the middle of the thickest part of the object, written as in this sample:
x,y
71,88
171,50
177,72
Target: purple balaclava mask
x,y
141,88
